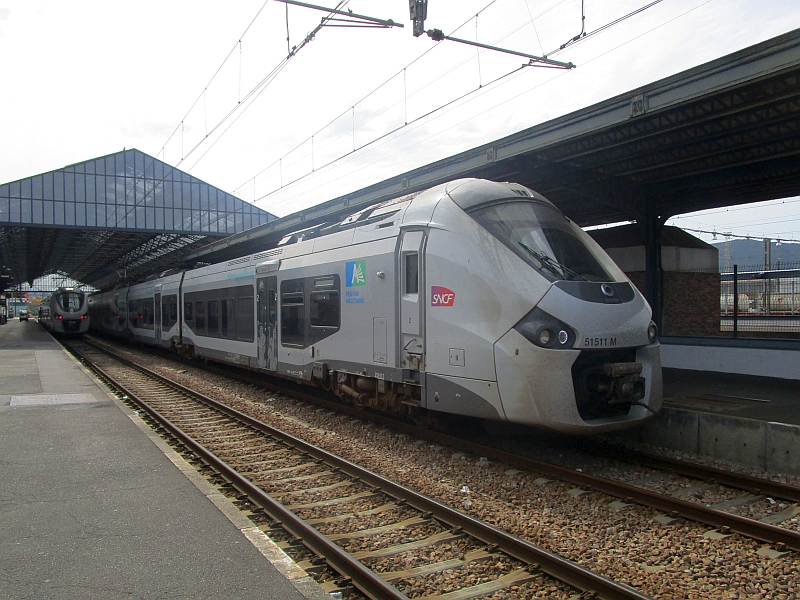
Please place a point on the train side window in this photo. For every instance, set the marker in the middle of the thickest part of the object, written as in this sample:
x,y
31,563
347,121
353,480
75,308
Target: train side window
x,y
244,319
173,310
200,317
273,307
133,314
149,313
169,311
188,312
412,273
325,310
213,317
227,316
293,322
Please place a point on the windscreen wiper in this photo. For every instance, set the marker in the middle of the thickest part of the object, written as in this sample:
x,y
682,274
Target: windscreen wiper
x,y
551,264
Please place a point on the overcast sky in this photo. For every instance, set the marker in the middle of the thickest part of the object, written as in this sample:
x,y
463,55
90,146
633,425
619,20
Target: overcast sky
x,y
85,79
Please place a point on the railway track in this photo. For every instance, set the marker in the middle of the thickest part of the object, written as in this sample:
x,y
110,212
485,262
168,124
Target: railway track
x,y
685,498
359,529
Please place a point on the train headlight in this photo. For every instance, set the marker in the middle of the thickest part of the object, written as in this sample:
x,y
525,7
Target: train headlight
x,y
652,332
545,331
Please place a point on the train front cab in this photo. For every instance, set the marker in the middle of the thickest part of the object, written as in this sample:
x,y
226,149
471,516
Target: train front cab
x,y
484,285
69,311
607,376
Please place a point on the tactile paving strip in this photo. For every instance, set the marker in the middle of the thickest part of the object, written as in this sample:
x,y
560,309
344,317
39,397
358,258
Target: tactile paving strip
x,y
51,399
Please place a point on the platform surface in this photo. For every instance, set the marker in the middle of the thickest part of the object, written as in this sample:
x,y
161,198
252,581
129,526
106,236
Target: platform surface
x,y
90,507
741,419
746,396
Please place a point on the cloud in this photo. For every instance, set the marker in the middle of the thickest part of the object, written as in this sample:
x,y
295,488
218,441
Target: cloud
x,y
4,14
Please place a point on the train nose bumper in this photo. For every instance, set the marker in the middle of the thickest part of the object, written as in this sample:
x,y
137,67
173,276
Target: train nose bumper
x,y
71,325
536,387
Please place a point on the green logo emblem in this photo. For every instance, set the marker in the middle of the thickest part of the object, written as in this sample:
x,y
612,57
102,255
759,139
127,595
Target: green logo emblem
x,y
356,273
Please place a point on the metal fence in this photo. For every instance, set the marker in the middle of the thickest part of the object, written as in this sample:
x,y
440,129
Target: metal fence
x,y
759,302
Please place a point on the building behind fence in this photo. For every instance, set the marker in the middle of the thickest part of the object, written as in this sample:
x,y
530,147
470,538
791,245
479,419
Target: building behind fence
x,y
698,299
690,276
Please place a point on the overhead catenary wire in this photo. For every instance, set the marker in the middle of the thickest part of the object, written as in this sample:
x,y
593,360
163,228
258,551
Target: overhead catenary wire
x,y
533,24
471,94
730,209
366,97
382,137
405,98
225,60
697,219
256,91
583,35
264,82
350,20
743,236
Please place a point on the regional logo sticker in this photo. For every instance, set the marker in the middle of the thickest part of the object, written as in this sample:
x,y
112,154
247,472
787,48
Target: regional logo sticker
x,y
356,273
442,296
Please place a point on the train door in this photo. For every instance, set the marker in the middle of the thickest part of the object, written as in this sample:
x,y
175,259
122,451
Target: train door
x,y
157,324
268,323
412,301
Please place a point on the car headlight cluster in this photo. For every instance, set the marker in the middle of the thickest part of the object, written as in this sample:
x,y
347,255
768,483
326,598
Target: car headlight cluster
x,y
545,331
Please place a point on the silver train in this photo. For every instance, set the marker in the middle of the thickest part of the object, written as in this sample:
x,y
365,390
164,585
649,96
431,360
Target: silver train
x,y
473,298
66,311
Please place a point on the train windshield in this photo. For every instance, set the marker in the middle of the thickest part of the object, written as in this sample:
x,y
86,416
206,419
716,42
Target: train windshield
x,y
544,238
70,301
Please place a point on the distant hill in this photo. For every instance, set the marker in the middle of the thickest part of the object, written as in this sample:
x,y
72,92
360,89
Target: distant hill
x,y
750,254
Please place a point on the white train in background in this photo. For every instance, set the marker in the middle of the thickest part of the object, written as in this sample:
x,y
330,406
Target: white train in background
x,y
473,298
66,311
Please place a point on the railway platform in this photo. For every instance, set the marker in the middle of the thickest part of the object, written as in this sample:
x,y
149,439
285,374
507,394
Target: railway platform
x,y
95,505
737,418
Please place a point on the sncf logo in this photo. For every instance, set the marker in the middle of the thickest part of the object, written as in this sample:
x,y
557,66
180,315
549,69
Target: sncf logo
x,y
441,296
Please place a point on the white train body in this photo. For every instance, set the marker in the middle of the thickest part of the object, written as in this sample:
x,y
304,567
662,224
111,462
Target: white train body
x,y
66,311
473,298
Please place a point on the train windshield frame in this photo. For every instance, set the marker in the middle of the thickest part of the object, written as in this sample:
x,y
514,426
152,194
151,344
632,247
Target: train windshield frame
x,y
70,301
543,237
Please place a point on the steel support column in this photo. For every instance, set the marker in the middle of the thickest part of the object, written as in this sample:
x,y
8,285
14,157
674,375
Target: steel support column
x,y
651,222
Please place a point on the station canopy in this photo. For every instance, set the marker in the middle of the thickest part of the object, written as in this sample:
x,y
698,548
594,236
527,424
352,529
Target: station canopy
x,y
122,216
723,133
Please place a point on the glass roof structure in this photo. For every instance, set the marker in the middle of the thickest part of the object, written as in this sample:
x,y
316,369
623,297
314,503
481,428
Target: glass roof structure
x,y
113,217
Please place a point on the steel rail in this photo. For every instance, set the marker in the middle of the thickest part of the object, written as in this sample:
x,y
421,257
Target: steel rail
x,y
366,580
696,512
554,565
740,481
673,506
